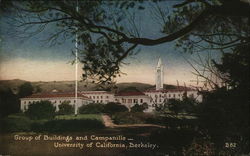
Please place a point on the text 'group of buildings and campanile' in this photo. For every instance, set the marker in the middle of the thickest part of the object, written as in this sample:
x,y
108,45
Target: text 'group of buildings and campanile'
x,y
154,97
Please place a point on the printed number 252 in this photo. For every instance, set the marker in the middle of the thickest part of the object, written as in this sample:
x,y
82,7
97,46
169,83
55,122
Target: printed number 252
x,y
230,144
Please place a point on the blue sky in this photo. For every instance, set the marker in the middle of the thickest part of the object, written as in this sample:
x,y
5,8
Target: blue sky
x,y
33,60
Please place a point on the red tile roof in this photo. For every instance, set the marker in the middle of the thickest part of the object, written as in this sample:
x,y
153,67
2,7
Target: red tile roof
x,y
55,95
134,93
95,92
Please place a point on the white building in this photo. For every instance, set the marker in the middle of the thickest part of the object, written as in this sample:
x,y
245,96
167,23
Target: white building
x,y
56,99
99,96
153,97
159,95
129,99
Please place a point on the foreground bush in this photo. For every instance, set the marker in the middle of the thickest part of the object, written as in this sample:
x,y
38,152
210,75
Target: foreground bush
x,y
74,125
132,118
113,107
41,110
15,123
139,108
65,108
93,108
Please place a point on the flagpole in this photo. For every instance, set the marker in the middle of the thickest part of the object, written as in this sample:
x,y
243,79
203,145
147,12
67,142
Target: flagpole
x,y
76,65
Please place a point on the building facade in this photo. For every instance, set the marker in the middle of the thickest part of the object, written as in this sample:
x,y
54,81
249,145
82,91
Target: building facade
x,y
153,97
129,99
99,96
56,99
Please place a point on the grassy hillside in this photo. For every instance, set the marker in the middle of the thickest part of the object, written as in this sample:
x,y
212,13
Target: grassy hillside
x,y
68,86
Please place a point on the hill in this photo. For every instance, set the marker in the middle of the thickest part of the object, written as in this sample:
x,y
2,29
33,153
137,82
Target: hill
x,y
69,86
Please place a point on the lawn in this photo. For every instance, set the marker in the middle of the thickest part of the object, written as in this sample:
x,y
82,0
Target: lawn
x,y
80,116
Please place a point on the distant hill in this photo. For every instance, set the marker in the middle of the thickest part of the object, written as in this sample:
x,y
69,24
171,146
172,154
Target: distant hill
x,y
68,86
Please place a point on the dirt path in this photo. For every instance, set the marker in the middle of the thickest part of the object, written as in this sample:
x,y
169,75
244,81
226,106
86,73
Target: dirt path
x,y
109,123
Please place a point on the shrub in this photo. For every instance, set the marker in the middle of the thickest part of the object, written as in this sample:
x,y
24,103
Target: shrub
x,y
65,108
75,125
15,123
93,108
131,118
41,110
113,107
173,140
139,108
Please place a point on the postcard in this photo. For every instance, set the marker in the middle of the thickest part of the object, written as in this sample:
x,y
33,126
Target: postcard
x,y
124,78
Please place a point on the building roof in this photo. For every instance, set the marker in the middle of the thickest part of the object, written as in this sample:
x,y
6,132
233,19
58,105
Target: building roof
x,y
95,92
131,93
56,95
180,89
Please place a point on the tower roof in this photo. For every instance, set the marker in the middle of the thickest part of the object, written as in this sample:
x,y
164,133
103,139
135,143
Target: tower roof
x,y
159,64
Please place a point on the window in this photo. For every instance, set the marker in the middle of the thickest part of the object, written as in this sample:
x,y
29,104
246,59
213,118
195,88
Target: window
x,y
174,95
101,101
160,95
107,97
97,101
93,97
155,96
141,100
169,95
135,100
97,97
159,100
129,100
74,101
55,102
101,97
24,102
123,100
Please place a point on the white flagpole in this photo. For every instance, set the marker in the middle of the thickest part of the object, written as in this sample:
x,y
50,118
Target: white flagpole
x,y
76,65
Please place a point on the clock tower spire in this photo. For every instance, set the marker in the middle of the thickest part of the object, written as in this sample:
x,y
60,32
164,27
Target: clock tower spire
x,y
159,75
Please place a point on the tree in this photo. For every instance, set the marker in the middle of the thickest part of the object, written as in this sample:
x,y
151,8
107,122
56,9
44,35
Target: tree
x,y
113,107
65,108
225,111
8,102
92,108
175,106
139,108
41,110
196,25
25,89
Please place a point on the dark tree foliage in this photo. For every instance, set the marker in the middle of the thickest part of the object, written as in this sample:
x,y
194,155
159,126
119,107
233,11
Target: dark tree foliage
x,y
65,108
175,106
113,107
25,89
225,111
8,102
41,110
139,108
92,108
235,67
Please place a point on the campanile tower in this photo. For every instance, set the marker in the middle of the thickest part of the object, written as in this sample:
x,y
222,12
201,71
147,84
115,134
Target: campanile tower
x,y
159,75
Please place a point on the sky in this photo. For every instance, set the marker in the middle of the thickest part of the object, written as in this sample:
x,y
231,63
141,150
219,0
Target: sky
x,y
34,60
